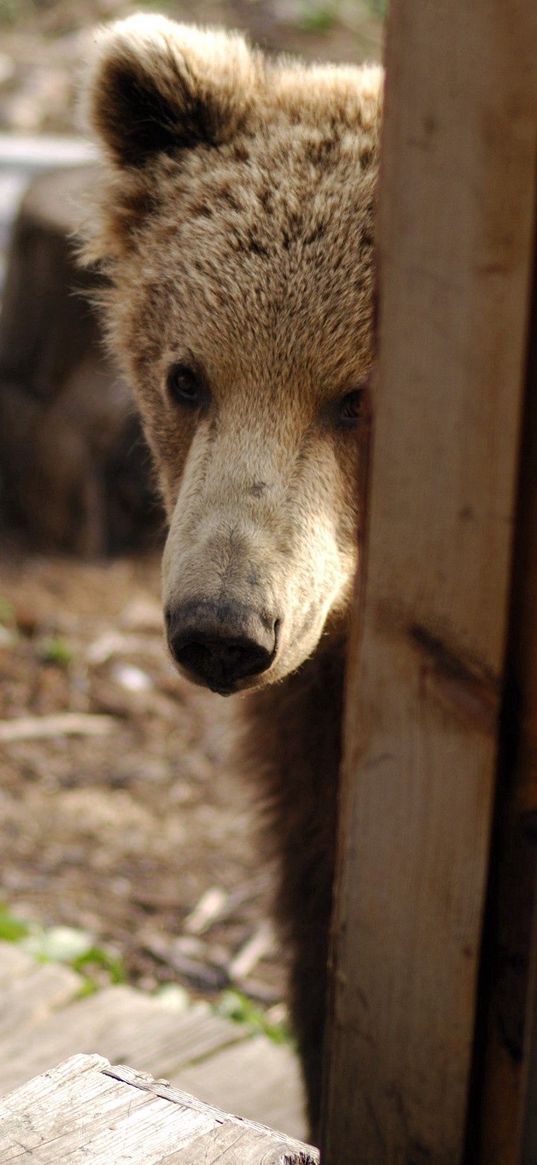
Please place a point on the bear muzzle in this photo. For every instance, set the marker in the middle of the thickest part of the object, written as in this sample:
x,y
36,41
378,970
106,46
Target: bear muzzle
x,y
220,644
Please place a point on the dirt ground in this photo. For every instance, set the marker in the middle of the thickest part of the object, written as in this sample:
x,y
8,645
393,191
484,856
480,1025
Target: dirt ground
x,y
124,832
142,833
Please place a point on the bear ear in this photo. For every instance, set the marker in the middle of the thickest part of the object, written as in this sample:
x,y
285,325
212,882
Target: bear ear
x,y
158,86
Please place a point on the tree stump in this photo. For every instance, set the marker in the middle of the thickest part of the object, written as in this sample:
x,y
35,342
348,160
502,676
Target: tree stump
x,y
75,471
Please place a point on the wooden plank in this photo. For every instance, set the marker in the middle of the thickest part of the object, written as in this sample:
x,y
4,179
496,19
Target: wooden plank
x,y
47,1084
507,1130
455,235
14,964
282,1150
86,1110
258,1079
231,1145
210,1146
90,1115
125,1025
195,1049
33,996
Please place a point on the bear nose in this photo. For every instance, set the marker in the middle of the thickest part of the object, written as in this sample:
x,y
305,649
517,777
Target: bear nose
x,y
221,644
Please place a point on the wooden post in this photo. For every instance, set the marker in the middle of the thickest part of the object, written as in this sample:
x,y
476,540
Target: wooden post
x,y
506,1126
527,576
457,216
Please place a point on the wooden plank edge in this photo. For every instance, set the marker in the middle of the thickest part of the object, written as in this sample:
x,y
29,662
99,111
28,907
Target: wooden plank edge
x,y
275,1147
166,1091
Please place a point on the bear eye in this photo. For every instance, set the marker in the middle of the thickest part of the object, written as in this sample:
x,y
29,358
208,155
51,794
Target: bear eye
x,y
351,409
186,386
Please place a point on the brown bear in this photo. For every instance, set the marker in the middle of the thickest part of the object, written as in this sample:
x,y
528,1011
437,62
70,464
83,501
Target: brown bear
x,y
235,225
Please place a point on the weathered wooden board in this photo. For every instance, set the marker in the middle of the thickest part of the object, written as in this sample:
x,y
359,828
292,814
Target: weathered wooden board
x,y
455,246
42,1022
124,1025
34,992
15,963
274,1085
526,643
86,1110
506,1133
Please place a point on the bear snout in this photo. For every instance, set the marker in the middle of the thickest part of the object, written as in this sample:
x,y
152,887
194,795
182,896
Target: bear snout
x,y
219,644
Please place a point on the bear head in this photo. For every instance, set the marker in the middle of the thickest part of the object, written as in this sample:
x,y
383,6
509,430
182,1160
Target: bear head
x,y
234,222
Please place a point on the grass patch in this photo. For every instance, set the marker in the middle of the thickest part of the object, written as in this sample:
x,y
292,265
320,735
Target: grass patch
x,y
100,967
77,949
7,613
378,8
318,15
12,929
238,1007
55,651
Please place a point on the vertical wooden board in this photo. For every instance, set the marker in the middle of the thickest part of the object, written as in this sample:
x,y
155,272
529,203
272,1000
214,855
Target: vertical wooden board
x,y
506,1133
526,646
455,233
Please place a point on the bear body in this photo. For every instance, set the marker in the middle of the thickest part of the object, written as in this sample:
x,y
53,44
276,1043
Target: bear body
x,y
235,226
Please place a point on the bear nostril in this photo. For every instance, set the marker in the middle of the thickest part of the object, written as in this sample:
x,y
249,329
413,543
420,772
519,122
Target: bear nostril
x,y
221,662
220,646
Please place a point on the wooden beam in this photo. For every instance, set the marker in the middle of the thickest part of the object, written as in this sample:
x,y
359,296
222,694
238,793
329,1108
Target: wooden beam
x,y
425,679
527,563
506,1129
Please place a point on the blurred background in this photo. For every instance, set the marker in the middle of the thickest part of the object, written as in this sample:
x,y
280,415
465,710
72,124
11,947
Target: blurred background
x,y
127,845
44,41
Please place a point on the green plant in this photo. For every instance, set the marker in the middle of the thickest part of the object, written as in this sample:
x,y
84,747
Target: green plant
x,y
12,10
96,965
318,15
12,929
238,1007
55,650
378,7
7,610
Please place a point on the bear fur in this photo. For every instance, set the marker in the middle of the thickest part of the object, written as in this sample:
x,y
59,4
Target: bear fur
x,y
235,227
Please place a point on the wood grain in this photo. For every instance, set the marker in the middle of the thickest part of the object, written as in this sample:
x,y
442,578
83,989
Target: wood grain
x,y
506,1133
43,1021
455,244
87,1110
